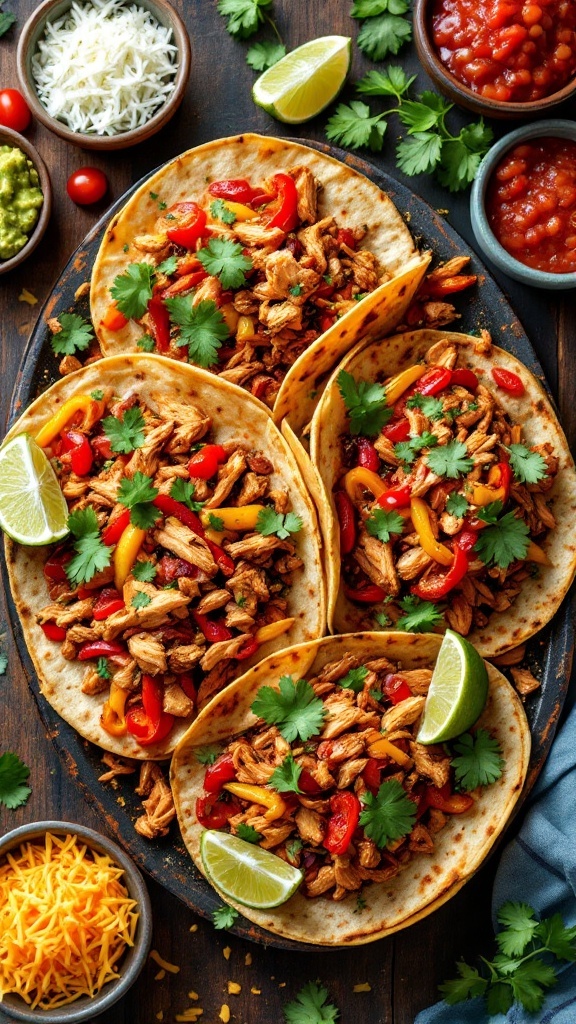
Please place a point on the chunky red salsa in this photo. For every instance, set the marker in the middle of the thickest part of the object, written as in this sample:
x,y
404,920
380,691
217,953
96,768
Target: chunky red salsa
x,y
531,204
507,50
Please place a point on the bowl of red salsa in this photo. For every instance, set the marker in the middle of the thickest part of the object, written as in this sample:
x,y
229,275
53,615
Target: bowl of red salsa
x,y
501,58
523,204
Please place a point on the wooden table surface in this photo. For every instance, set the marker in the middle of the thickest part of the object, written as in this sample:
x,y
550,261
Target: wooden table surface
x,y
403,971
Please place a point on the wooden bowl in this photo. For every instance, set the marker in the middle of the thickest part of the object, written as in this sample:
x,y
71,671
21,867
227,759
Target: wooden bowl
x,y
32,32
461,94
11,138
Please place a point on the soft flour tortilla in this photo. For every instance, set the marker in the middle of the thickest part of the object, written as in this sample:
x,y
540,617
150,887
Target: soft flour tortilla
x,y
351,198
427,881
235,415
541,595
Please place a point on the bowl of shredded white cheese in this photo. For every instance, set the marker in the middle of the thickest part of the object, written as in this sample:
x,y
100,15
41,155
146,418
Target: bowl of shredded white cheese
x,y
104,74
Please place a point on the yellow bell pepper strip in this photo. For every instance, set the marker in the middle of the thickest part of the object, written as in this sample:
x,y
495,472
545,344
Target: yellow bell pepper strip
x,y
397,385
113,718
536,554
421,520
66,412
258,795
126,552
230,316
240,211
242,518
496,488
273,630
245,330
361,479
384,748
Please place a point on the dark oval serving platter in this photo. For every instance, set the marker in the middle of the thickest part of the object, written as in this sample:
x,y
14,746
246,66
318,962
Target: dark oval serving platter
x,y
549,654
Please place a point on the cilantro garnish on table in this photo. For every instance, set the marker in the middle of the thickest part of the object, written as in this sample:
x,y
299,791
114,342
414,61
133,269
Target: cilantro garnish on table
x,y
202,328
244,16
127,433
264,55
132,290
270,522
294,708
450,460
7,19
285,777
518,973
207,754
75,336
478,760
183,490
385,31
384,524
138,494
13,775
366,404
225,259
528,467
456,504
248,833
144,571
220,211
420,616
224,917
354,679
311,1006
388,815
92,555
503,541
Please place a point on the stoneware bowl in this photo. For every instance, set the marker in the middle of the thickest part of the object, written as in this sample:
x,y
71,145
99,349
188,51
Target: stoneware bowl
x,y
33,30
84,1008
461,94
484,235
10,138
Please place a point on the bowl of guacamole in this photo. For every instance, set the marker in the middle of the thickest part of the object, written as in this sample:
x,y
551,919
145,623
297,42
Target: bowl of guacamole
x,y
25,198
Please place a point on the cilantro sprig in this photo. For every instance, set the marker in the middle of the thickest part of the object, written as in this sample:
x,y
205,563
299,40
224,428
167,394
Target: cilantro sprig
x,y
127,433
75,336
138,494
420,616
478,760
294,708
311,1006
264,55
92,555
270,522
384,524
219,211
202,328
285,777
406,451
244,17
13,776
388,815
225,259
354,679
450,460
429,406
248,833
528,467
224,917
7,19
144,571
504,540
184,490
518,973
132,290
366,404
456,504
385,31
207,754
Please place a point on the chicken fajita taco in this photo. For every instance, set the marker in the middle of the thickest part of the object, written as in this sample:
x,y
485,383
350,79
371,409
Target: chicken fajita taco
x,y
449,491
313,756
193,549
257,258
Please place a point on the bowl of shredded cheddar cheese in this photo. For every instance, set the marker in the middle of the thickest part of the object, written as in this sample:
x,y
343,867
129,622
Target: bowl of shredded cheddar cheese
x,y
76,896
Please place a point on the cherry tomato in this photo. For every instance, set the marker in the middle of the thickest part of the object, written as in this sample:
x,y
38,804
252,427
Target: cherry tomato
x,y
14,111
508,381
87,185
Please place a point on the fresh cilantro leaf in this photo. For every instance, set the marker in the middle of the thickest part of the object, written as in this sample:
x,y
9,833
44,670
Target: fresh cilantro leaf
x,y
503,542
264,55
216,522
293,847
479,760
406,451
419,154
461,156
294,708
97,395
225,259
360,295
353,126
428,405
247,833
385,34
3,662
421,616
391,82
202,328
92,555
450,460
224,917
144,571
75,336
311,1007
469,984
146,343
7,19
13,775
368,8
382,524
388,815
102,668
244,16
127,433
382,619
354,679
456,504
138,494
241,601
207,754
125,247
132,290
489,513
428,111
376,694
219,211
499,998
168,266
141,600
183,490
519,924
557,938
528,467
295,290
360,905
269,522
285,777
529,981
366,404
153,196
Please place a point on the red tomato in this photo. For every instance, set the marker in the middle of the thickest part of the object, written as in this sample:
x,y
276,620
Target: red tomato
x,y
508,381
14,111
87,185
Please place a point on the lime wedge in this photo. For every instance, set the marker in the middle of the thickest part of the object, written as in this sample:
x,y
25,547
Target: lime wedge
x,y
305,81
33,509
245,873
457,693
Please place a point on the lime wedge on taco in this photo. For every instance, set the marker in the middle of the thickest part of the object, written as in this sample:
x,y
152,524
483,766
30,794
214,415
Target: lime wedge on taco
x,y
33,509
246,873
457,693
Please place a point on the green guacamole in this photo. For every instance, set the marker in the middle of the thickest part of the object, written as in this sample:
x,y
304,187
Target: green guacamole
x,y
20,200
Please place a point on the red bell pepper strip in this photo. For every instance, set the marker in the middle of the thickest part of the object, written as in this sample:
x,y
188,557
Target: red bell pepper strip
x,y
396,689
437,586
54,568
467,538
397,431
159,323
435,289
170,507
345,237
76,447
184,284
100,649
369,593
500,475
115,529
109,600
342,824
249,647
218,774
52,631
465,378
204,463
214,813
326,321
367,455
372,774
237,190
147,722
444,800
187,683
223,560
285,216
347,521
396,497
102,447
214,632
191,224
508,381
307,783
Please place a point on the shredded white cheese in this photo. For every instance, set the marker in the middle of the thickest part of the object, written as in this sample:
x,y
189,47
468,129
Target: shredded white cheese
x,y
105,67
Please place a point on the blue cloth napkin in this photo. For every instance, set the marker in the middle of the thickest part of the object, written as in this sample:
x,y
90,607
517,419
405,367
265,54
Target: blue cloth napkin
x,y
539,868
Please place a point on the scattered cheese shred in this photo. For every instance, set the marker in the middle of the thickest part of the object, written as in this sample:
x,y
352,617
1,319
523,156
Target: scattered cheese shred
x,y
224,1013
191,1014
234,989
160,976
164,964
226,951
26,296
65,921
160,1015
256,991
362,987
104,67
193,995
248,959
194,928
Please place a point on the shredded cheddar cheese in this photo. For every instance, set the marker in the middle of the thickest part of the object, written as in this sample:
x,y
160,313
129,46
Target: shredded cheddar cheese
x,y
163,964
65,921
